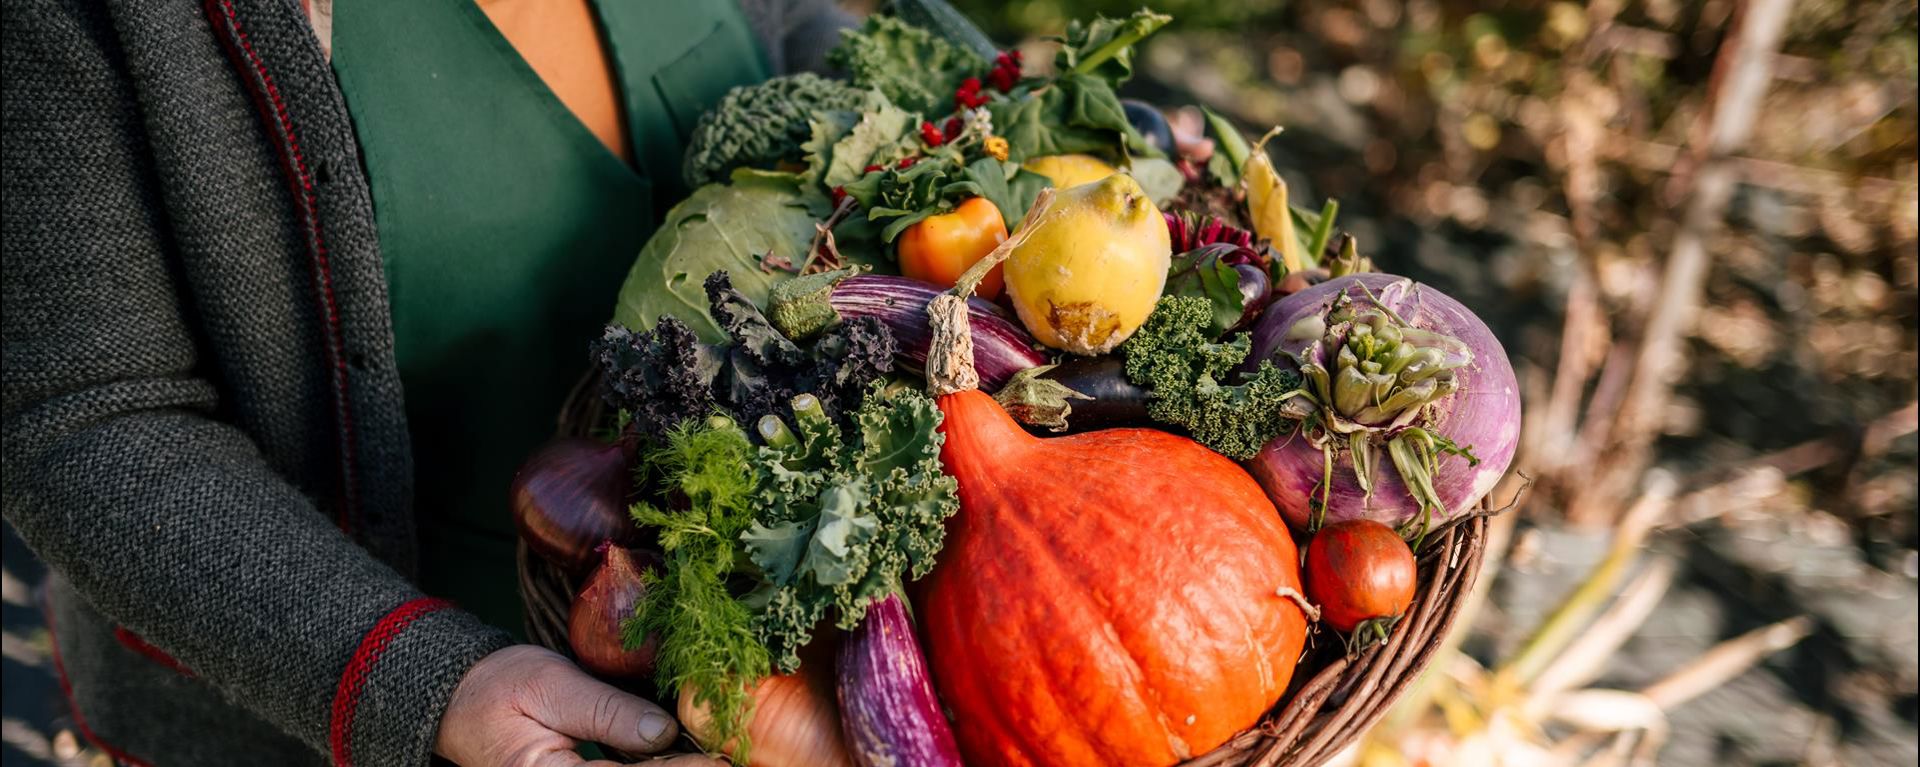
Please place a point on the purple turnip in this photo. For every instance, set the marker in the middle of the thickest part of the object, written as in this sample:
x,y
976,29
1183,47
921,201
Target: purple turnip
x,y
1415,413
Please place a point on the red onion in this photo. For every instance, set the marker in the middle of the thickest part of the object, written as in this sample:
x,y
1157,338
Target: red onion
x,y
571,495
593,624
1442,359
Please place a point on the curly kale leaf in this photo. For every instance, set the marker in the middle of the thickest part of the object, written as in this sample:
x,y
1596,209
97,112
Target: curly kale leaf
x,y
757,126
916,69
847,515
660,377
667,376
902,197
1192,381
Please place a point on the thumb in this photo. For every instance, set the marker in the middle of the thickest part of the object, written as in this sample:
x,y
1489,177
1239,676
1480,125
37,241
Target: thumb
x,y
580,706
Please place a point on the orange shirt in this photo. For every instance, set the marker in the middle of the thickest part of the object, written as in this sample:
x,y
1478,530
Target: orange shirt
x,y
560,39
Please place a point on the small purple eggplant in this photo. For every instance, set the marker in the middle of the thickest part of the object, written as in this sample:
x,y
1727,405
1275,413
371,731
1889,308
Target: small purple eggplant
x,y
888,710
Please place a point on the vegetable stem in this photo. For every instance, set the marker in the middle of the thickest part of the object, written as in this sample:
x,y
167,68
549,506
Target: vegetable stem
x,y
1323,232
1229,139
808,412
950,359
1143,24
774,432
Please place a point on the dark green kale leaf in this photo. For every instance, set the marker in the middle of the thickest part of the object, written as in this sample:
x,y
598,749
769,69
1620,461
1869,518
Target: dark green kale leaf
x,y
757,126
661,377
1193,385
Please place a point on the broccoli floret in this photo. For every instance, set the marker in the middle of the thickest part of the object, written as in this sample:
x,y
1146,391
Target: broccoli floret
x,y
757,126
1193,383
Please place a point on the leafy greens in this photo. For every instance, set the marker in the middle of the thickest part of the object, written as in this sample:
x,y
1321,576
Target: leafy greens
x,y
759,125
730,228
847,517
667,376
1193,384
707,640
824,519
916,69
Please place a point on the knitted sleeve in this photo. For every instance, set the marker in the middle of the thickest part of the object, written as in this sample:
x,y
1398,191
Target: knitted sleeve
x,y
119,470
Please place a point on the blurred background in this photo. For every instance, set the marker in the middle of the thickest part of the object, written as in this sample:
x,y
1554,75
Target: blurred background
x,y
1693,224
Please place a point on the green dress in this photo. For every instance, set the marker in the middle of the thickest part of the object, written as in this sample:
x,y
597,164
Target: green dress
x,y
506,229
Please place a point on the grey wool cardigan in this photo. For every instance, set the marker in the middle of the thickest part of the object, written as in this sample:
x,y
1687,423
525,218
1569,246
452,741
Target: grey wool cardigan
x,y
203,430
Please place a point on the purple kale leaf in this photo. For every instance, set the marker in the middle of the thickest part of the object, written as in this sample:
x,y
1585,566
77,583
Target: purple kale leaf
x,y
661,376
666,376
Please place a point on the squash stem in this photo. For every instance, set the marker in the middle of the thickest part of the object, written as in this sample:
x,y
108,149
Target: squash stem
x,y
950,357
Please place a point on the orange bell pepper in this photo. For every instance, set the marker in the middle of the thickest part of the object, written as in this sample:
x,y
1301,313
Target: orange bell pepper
x,y
941,248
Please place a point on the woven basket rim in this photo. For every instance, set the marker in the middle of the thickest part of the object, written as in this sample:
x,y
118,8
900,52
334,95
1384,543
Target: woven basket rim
x,y
1320,714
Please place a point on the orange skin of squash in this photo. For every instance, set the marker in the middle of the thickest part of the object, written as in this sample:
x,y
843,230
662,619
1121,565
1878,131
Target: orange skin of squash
x,y
1106,598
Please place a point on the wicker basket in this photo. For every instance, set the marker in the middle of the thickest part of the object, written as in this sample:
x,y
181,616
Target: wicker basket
x,y
1334,697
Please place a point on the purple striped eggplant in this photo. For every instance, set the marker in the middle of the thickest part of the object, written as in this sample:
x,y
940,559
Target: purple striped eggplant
x,y
806,305
887,706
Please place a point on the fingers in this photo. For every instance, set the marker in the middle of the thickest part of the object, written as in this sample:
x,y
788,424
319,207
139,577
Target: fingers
x,y
692,760
580,706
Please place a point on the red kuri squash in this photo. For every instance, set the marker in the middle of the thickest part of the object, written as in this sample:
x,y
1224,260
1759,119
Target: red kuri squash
x,y
1104,599
1108,598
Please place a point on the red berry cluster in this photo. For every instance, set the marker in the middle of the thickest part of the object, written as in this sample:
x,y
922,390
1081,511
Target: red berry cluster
x,y
968,95
932,135
1006,71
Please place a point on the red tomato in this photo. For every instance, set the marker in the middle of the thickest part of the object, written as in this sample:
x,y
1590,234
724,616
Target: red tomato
x,y
1361,574
940,248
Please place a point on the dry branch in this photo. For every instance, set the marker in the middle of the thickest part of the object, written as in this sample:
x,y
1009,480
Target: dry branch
x,y
1740,78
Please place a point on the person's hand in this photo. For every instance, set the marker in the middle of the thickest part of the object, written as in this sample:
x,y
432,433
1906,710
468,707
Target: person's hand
x,y
1190,140
525,706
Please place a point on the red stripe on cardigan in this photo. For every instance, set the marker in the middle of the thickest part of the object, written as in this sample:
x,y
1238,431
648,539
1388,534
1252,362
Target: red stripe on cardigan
x,y
135,643
346,699
73,704
266,96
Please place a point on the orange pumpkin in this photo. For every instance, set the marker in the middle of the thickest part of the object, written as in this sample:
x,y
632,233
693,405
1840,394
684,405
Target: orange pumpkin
x,y
1107,598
